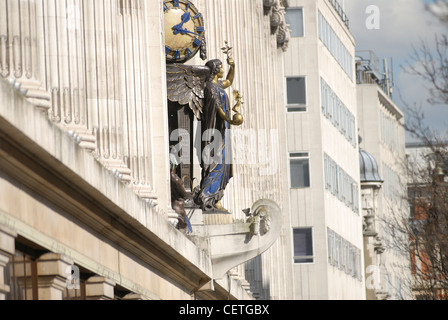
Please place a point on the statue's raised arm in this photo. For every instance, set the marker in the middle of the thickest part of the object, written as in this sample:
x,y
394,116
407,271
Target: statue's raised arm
x,y
231,74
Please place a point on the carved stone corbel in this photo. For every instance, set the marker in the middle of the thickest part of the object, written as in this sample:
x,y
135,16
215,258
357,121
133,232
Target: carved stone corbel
x,y
232,244
268,4
283,36
276,11
277,18
284,3
369,225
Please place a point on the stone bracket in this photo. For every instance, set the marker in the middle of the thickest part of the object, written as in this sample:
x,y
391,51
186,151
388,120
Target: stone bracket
x,y
230,245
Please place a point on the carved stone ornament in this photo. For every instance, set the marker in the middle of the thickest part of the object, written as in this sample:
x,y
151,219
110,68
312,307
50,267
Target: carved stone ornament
x,y
284,3
276,11
231,245
277,16
283,36
369,225
260,221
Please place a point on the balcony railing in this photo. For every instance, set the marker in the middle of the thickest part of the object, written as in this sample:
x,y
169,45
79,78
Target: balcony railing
x,y
340,12
369,70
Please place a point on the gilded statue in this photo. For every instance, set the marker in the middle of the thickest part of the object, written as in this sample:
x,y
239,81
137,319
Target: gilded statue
x,y
203,90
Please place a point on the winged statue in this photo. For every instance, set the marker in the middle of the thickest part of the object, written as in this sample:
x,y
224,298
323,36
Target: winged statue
x,y
202,89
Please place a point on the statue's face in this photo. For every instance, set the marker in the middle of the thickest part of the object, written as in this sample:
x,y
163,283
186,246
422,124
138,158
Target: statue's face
x,y
221,72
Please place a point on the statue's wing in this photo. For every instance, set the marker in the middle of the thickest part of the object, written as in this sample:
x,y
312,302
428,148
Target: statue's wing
x,y
186,85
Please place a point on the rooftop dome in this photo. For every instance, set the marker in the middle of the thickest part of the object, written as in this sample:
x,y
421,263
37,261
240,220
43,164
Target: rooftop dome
x,y
368,167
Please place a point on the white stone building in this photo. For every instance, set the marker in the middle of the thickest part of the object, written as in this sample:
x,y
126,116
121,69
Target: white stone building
x,y
381,128
84,153
322,138
85,191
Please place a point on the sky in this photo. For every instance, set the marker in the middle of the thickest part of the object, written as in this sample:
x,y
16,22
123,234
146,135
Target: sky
x,y
403,25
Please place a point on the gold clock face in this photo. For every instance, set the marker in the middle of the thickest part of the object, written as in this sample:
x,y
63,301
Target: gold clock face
x,y
184,30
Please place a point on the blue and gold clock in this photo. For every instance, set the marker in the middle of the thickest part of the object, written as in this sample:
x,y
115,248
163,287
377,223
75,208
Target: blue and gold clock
x,y
184,30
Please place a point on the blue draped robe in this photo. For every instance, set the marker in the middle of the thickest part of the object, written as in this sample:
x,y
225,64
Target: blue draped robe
x,y
217,168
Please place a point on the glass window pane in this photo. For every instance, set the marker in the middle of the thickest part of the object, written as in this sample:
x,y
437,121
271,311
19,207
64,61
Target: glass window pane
x,y
300,173
296,90
294,17
303,245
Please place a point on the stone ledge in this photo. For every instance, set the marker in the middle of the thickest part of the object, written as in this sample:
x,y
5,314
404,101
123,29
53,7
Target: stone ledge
x,y
38,155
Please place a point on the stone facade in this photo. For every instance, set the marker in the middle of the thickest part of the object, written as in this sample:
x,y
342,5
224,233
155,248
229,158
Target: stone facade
x,y
84,165
85,201
322,55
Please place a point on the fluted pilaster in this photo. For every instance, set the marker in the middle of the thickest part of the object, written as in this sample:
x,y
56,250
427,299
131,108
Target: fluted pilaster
x,y
19,49
135,95
65,67
104,110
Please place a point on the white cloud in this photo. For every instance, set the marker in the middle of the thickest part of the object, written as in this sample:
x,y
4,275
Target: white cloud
x,y
404,24
414,91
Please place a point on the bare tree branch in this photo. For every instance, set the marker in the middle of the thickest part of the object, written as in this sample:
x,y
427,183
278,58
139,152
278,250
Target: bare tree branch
x,y
432,66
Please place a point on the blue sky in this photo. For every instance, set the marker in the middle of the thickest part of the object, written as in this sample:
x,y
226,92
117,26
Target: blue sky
x,y
403,25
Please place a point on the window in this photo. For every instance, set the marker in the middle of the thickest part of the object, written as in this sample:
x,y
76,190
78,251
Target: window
x,y
300,170
390,134
344,255
340,184
392,183
337,113
294,18
296,93
21,272
21,276
330,39
303,245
